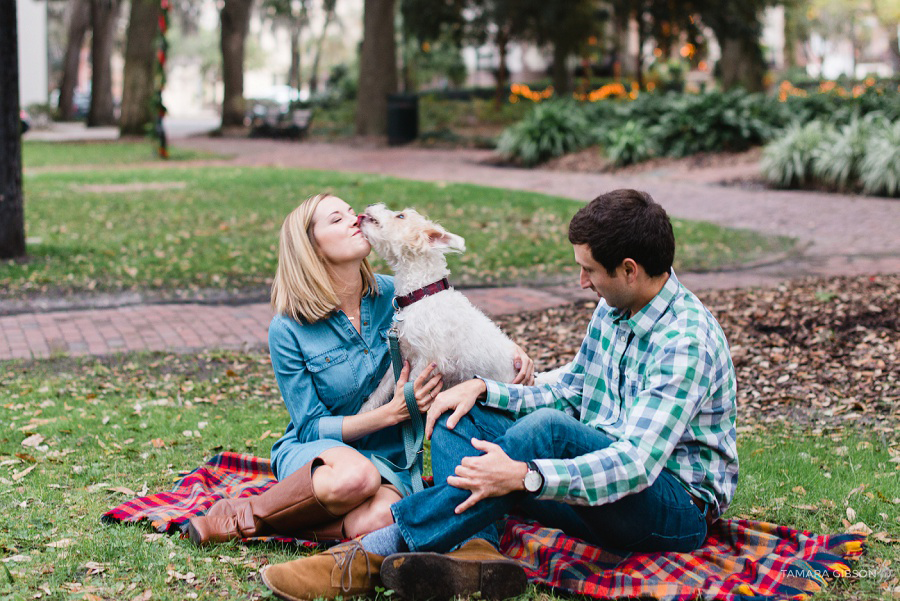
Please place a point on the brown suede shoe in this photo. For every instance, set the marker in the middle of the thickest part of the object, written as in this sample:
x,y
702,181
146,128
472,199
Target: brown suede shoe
x,y
344,570
476,566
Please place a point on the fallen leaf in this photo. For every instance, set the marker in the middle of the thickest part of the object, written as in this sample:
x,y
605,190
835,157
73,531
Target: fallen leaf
x,y
19,475
145,596
16,559
123,490
883,537
33,441
61,543
859,528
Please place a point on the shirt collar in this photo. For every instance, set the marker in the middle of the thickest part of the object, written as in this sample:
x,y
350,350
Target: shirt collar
x,y
643,321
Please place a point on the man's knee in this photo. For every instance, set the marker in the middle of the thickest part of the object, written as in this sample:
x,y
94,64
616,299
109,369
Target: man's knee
x,y
540,423
464,429
532,436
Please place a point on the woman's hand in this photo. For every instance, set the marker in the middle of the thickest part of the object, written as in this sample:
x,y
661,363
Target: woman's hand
x,y
525,367
425,387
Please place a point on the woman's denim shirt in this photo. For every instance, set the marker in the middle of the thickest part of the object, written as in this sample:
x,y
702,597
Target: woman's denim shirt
x,y
325,371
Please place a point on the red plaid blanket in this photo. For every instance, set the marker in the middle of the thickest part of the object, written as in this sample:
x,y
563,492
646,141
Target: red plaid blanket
x,y
739,559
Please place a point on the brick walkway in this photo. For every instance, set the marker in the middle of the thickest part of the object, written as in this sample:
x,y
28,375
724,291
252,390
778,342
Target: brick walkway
x,y
191,327
837,235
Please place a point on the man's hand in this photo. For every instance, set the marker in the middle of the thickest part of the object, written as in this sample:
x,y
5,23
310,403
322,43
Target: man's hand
x,y
461,398
493,474
524,366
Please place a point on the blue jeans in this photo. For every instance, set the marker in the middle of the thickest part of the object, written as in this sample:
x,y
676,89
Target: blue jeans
x,y
662,517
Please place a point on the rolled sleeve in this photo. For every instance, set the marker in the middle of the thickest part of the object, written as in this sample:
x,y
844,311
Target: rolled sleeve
x,y
331,426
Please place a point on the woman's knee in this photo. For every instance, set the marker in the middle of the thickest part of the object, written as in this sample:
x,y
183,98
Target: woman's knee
x,y
350,480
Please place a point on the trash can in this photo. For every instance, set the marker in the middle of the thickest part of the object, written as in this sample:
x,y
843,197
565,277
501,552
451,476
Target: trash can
x,y
402,118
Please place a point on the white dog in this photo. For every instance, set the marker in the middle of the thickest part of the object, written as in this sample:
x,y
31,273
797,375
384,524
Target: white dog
x,y
443,327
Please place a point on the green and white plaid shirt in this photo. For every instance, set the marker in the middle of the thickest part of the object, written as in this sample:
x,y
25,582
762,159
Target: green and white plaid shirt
x,y
662,384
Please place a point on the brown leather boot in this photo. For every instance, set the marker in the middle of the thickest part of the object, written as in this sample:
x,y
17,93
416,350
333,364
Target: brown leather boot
x,y
344,570
289,508
476,566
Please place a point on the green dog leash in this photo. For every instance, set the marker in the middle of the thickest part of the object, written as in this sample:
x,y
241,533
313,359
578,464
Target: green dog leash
x,y
413,429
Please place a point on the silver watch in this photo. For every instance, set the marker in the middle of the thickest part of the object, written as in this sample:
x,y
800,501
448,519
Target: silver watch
x,y
534,479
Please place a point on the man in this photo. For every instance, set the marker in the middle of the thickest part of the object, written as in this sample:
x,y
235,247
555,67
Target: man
x,y
632,449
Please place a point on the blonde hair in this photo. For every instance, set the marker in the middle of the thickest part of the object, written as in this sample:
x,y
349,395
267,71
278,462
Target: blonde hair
x,y
302,288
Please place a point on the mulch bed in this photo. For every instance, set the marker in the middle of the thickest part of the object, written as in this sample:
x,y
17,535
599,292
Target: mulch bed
x,y
819,352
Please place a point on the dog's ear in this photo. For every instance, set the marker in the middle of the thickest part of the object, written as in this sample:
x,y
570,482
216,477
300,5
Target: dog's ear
x,y
439,238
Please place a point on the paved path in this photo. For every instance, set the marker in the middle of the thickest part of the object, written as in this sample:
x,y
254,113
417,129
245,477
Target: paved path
x,y
838,235
190,326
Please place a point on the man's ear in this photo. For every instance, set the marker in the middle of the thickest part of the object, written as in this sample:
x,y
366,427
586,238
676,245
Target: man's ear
x,y
630,269
442,239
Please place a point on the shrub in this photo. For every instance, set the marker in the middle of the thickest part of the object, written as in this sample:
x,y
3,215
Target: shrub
x,y
630,143
788,160
837,160
552,129
716,121
880,168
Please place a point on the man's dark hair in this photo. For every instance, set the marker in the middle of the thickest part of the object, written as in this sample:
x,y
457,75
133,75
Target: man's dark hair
x,y
625,224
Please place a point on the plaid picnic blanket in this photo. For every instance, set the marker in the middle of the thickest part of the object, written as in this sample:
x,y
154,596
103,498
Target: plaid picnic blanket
x,y
740,559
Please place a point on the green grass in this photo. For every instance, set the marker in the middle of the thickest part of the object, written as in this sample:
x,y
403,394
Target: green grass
x,y
200,228
133,423
823,481
56,154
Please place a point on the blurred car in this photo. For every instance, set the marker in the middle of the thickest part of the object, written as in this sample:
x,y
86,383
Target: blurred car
x,y
81,102
25,121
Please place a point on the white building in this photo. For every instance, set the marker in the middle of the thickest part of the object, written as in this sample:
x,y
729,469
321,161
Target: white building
x,y
32,32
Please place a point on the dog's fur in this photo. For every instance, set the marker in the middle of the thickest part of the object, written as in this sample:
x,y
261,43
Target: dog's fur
x,y
445,327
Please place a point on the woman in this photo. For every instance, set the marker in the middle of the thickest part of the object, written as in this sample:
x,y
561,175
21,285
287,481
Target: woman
x,y
329,351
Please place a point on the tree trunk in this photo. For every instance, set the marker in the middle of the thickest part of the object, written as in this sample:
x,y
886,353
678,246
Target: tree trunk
x,y
639,56
140,57
737,27
79,22
742,64
314,75
235,18
295,72
12,217
562,82
791,41
894,44
104,14
502,78
377,68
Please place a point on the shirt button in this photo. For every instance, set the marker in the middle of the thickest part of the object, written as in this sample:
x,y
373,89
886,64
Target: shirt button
x,y
327,359
365,323
365,351
622,338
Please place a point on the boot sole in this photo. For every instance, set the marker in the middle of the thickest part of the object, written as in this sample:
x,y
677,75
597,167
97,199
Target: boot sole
x,y
422,576
194,535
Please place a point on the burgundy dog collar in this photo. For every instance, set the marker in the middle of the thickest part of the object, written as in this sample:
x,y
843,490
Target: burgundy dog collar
x,y
417,295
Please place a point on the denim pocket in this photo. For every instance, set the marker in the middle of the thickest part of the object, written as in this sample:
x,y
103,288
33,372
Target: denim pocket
x,y
333,375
